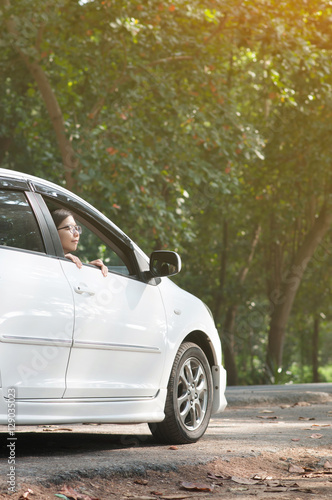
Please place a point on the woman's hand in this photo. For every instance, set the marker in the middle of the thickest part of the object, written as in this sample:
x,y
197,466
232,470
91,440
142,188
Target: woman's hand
x,y
99,263
75,259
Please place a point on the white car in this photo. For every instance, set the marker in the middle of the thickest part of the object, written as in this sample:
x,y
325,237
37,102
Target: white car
x,y
76,346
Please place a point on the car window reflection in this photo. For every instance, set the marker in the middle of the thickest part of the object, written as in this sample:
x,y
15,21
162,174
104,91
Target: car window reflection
x,y
18,226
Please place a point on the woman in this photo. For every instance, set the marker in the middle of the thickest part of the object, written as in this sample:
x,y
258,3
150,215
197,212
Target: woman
x,y
69,234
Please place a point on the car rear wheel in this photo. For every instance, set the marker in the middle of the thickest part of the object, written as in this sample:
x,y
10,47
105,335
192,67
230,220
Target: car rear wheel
x,y
189,398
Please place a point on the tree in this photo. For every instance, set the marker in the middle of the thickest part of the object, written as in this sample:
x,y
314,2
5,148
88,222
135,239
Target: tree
x,y
191,124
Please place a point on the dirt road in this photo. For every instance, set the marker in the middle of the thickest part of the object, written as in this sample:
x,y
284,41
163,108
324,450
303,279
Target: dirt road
x,y
270,451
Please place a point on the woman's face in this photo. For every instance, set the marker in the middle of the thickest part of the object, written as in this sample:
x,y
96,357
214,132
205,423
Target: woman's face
x,y
69,240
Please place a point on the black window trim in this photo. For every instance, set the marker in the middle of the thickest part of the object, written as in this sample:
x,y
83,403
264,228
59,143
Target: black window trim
x,y
44,230
13,184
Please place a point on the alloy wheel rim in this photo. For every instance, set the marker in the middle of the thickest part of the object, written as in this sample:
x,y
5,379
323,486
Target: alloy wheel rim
x,y
192,394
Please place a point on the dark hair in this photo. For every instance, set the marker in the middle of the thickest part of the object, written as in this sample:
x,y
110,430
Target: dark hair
x,y
60,215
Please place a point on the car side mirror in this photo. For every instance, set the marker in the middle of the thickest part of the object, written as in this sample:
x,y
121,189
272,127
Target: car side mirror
x,y
164,263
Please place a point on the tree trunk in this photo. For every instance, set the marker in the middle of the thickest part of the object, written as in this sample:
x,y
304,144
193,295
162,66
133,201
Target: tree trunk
x,y
229,324
228,346
69,159
282,298
5,143
315,348
222,274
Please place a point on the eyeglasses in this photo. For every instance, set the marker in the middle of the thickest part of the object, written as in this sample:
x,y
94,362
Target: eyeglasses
x,y
72,229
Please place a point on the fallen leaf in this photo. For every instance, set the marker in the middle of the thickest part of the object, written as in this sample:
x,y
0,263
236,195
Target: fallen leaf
x,y
316,474
267,417
134,497
69,492
197,486
295,469
173,448
283,407
302,403
266,411
274,483
301,490
26,494
175,497
307,418
279,489
316,436
243,488
328,465
141,481
215,477
295,439
261,477
243,480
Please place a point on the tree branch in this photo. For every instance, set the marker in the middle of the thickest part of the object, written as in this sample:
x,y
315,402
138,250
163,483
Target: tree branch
x,y
69,159
244,271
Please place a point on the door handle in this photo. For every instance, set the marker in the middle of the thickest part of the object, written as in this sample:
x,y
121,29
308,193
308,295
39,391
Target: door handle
x,y
81,288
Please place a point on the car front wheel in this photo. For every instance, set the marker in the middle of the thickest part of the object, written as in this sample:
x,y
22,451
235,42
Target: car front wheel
x,y
189,398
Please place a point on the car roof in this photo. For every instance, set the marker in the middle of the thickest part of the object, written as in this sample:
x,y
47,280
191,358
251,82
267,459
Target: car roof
x,y
49,188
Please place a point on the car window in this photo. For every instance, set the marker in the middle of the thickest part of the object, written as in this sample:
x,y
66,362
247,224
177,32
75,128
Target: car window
x,y
92,247
18,226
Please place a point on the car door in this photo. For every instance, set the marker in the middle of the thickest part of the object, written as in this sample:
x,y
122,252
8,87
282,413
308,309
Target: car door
x,y
36,307
120,328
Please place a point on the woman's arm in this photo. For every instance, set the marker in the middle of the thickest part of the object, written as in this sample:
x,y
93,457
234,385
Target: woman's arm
x,y
99,263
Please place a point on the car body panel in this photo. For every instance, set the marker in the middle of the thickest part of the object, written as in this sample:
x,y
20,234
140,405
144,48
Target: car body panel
x,y
65,411
36,324
130,337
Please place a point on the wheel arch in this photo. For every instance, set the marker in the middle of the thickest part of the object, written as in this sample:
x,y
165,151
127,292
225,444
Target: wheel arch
x,y
202,340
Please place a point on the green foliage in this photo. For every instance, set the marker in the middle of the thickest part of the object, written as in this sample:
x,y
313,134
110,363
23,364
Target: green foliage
x,y
187,117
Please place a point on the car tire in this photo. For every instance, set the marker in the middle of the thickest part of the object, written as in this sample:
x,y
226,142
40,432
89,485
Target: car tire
x,y
189,398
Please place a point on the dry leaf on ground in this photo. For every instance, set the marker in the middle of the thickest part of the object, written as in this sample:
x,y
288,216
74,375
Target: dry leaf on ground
x,y
218,476
197,486
141,481
295,469
69,492
26,494
243,480
261,477
267,417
